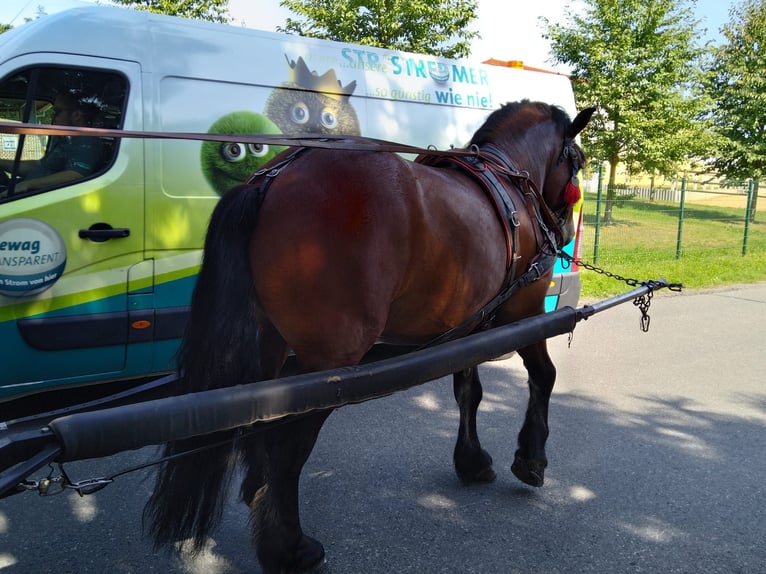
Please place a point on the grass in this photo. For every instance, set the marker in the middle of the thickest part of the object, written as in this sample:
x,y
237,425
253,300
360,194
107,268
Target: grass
x,y
641,243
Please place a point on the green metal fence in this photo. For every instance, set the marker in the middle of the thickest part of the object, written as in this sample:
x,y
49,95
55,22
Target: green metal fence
x,y
672,223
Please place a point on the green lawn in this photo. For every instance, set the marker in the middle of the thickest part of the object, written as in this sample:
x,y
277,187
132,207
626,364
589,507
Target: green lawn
x,y
641,243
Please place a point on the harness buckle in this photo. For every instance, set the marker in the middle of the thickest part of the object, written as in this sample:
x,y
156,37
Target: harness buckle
x,y
536,271
515,218
273,172
48,486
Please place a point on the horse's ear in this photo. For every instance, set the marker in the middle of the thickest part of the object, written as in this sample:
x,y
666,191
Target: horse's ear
x,y
579,123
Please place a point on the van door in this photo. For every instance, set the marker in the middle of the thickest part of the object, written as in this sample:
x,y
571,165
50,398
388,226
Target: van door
x,y
71,222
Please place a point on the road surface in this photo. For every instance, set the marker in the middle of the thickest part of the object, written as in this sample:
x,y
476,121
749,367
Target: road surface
x,y
657,464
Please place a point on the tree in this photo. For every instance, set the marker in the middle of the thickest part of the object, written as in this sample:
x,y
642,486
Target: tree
x,y
437,27
637,62
39,13
737,87
212,10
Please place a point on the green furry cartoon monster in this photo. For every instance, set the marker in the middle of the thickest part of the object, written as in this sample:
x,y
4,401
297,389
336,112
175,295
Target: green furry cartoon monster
x,y
228,164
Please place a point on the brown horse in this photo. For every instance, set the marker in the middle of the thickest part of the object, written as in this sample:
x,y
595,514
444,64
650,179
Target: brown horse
x,y
327,252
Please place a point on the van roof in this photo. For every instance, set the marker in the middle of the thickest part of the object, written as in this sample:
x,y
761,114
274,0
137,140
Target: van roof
x,y
171,47
121,33
110,31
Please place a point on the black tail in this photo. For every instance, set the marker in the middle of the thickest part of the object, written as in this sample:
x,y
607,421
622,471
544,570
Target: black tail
x,y
218,350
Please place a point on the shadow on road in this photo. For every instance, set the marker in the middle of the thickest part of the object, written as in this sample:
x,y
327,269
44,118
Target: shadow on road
x,y
658,475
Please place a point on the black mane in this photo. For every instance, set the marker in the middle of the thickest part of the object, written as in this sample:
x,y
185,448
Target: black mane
x,y
499,117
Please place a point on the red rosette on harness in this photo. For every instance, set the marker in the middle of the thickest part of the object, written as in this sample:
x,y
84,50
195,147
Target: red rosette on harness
x,y
572,191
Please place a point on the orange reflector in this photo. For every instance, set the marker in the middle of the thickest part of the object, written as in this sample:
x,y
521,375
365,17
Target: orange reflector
x,y
142,324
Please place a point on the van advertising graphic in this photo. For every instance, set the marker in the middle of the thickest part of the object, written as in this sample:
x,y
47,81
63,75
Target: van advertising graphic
x,y
310,103
227,164
32,256
410,77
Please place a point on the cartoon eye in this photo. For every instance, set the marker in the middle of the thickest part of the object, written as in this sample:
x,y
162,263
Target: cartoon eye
x,y
258,150
233,152
328,119
299,113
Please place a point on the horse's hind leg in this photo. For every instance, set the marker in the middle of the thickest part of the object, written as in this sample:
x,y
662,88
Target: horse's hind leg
x,y
472,463
281,452
530,459
272,352
273,458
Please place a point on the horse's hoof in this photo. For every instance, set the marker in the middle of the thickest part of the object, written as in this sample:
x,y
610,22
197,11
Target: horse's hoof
x,y
529,471
311,557
475,469
484,476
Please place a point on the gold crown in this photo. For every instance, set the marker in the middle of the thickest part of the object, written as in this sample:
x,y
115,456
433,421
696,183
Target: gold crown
x,y
328,83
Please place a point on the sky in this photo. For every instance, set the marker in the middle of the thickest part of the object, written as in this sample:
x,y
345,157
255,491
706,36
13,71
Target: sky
x,y
510,29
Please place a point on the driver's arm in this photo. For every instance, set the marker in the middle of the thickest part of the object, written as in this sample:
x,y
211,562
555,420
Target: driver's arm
x,y
22,170
47,180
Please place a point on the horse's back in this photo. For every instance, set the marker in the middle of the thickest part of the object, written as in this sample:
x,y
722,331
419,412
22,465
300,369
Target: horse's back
x,y
368,246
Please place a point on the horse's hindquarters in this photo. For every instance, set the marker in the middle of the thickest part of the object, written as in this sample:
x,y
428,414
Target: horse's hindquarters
x,y
369,246
329,252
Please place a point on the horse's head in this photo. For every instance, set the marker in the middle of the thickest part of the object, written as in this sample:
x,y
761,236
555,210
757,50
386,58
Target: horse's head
x,y
561,188
539,139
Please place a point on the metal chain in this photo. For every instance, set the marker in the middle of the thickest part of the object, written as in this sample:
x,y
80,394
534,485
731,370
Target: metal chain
x,y
643,302
590,267
631,282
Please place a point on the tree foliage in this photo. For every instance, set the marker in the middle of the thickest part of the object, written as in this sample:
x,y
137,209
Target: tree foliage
x,y
212,10
39,13
637,62
736,84
438,27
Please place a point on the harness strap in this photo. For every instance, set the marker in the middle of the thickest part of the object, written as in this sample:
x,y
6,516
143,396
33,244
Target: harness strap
x,y
484,318
496,192
485,168
273,171
547,221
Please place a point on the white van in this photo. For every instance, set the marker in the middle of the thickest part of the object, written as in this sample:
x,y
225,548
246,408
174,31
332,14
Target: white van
x,y
97,270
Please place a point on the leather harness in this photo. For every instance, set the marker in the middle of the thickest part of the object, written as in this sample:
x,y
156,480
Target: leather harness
x,y
502,182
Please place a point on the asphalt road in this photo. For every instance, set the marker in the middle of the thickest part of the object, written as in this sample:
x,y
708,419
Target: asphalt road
x,y
657,464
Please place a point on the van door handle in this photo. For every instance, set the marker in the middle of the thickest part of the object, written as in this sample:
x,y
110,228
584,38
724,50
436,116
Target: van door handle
x,y
99,232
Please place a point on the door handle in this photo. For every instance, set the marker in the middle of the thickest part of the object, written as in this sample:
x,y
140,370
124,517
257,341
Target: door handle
x,y
99,232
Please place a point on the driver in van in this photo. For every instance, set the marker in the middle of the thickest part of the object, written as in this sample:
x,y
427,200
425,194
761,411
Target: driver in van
x,y
67,157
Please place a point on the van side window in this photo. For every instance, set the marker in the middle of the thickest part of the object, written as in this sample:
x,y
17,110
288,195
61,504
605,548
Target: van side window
x,y
78,97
